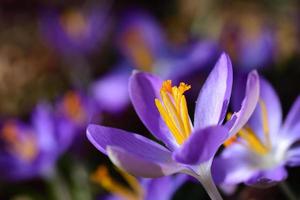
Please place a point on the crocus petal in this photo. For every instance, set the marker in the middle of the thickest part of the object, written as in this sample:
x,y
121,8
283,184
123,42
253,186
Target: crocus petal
x,y
292,120
150,165
101,137
214,96
111,91
201,145
240,118
167,184
293,157
43,123
268,178
233,166
273,108
143,89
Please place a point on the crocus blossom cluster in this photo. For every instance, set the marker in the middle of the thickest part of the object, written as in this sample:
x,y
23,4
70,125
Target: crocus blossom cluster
x,y
143,45
189,147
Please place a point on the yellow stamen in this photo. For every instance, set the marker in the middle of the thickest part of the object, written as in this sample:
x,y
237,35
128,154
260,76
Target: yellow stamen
x,y
253,141
173,109
73,106
102,177
24,146
249,138
74,23
230,141
138,50
265,122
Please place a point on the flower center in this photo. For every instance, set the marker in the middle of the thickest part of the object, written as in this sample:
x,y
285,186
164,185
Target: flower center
x,y
138,49
74,23
73,107
248,138
102,177
23,145
173,109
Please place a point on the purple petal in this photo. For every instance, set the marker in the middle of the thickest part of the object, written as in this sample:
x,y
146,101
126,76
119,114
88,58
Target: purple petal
x,y
214,96
143,89
268,178
101,137
42,120
240,118
293,157
145,29
233,166
292,122
167,184
201,145
150,165
111,91
273,107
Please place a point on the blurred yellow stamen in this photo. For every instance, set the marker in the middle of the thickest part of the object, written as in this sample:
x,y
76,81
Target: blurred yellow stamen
x,y
74,23
265,122
138,50
102,177
23,146
253,141
73,106
173,109
250,139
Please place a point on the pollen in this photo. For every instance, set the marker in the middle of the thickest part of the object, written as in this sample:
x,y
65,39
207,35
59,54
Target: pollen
x,y
173,110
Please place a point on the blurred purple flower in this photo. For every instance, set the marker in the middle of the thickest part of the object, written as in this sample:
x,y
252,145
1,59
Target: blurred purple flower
x,y
163,109
250,47
148,189
262,149
143,46
29,151
75,30
74,111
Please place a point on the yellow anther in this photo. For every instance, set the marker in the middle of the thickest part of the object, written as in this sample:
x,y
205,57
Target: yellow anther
x,y
249,139
173,109
183,87
230,141
73,106
23,146
166,86
74,23
265,122
138,49
101,176
253,141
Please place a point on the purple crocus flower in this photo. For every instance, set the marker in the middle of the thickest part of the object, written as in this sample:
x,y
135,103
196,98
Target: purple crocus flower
x,y
143,46
31,150
163,109
148,189
252,47
75,30
264,146
77,109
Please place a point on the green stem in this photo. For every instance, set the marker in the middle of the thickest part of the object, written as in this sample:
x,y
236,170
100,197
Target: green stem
x,y
203,174
287,191
80,182
57,187
210,187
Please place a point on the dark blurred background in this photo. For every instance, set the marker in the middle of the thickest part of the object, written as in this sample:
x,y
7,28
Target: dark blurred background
x,y
49,48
